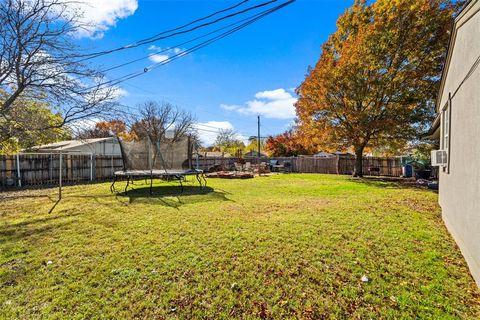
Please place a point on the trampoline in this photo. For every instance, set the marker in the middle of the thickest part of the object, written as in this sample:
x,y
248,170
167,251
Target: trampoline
x,y
170,160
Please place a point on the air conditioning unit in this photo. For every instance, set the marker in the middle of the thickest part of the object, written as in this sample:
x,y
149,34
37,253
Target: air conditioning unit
x,y
439,158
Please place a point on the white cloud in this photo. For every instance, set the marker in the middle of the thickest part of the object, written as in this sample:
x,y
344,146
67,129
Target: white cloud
x,y
162,55
279,94
274,104
81,125
208,131
120,92
101,15
157,58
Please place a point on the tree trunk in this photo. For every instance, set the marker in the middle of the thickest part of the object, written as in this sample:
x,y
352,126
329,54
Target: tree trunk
x,y
358,172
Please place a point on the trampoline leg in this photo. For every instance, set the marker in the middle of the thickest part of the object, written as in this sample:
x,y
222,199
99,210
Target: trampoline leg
x,y
204,180
181,184
128,182
112,187
199,180
151,185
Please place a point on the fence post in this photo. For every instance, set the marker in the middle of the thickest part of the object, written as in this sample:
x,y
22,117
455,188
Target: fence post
x,y
18,171
50,169
91,166
337,157
60,178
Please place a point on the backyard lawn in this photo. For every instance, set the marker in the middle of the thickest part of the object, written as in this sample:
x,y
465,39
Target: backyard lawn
x,y
283,246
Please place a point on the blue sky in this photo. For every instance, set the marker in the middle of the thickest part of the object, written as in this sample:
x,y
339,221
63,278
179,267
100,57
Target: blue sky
x,y
227,83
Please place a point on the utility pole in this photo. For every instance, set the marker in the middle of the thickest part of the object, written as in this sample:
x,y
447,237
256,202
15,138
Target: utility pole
x,y
258,144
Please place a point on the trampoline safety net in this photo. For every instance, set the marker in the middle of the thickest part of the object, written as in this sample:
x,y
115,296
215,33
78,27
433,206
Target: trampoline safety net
x,y
145,155
168,160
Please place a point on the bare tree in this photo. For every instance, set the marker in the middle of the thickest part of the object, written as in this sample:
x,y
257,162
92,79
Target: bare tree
x,y
39,60
156,119
228,140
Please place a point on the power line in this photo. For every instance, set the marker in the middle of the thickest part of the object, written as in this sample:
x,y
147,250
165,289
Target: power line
x,y
197,47
218,130
238,119
161,36
242,120
200,19
468,75
196,125
183,43
132,75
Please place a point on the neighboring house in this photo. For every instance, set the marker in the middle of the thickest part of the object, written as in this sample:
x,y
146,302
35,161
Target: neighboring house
x,y
339,153
324,155
254,154
458,129
99,146
213,154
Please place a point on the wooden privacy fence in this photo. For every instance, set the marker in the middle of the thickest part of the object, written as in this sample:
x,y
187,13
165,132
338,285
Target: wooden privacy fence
x,y
317,165
36,169
207,163
375,166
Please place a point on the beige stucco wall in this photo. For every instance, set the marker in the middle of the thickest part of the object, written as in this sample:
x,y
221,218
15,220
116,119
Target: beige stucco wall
x,y
460,188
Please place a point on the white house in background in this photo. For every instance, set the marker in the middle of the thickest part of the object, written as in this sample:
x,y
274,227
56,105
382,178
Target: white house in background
x,y
458,129
212,154
323,155
98,146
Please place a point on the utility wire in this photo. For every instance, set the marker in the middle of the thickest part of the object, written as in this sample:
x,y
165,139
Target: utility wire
x,y
183,43
132,75
161,35
200,19
238,119
197,126
95,54
468,75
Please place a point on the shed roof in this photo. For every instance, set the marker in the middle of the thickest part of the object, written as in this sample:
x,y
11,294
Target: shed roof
x,y
69,144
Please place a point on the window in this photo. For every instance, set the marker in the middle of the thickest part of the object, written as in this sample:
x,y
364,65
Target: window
x,y
446,128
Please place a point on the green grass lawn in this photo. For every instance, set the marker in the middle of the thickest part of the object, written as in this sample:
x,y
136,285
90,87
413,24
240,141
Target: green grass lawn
x,y
284,246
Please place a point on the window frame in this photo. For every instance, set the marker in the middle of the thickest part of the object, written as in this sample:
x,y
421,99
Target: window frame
x,y
447,131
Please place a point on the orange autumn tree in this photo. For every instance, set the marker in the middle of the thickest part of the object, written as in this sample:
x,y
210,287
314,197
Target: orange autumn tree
x,y
377,76
286,144
105,129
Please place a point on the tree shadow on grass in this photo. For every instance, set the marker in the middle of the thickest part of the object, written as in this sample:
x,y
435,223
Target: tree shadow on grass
x,y
38,228
390,183
174,196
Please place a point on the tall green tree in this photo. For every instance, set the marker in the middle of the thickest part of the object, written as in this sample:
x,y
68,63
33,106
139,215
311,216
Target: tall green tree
x,y
377,76
29,123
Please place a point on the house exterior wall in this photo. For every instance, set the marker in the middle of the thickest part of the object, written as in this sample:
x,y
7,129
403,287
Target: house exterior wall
x,y
460,182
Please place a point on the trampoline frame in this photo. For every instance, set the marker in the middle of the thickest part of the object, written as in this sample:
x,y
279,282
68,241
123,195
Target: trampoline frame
x,y
168,175
162,174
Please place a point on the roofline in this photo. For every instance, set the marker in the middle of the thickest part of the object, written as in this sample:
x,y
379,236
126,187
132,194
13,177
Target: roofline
x,y
84,142
468,5
433,129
